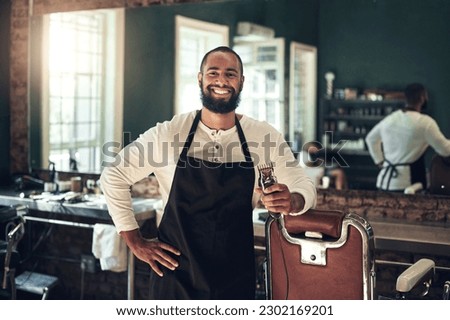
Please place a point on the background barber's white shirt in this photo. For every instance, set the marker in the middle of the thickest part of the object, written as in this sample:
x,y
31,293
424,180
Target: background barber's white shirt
x,y
404,137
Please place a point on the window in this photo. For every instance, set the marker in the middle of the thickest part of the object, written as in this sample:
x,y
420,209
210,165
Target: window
x,y
193,39
82,87
263,94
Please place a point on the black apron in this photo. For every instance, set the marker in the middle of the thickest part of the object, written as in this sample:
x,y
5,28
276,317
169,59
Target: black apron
x,y
417,172
208,217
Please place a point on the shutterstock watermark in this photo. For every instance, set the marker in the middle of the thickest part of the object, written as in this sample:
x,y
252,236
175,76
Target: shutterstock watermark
x,y
161,154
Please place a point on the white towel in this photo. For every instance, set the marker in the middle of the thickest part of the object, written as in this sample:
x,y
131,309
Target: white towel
x,y
109,247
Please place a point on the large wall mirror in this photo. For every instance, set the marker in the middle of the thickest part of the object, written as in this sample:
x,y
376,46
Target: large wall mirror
x,y
367,44
105,76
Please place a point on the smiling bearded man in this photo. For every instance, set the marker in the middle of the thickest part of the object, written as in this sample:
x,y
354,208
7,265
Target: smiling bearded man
x,y
221,92
205,243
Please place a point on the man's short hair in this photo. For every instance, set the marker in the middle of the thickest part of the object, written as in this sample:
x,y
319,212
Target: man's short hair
x,y
222,49
413,92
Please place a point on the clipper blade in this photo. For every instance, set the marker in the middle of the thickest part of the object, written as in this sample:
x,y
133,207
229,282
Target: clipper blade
x,y
266,175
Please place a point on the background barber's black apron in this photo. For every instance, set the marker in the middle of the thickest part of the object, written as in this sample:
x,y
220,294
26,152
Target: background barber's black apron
x,y
417,172
208,217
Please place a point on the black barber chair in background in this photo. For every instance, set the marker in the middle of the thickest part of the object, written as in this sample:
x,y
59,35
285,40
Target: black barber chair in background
x,y
440,175
28,282
9,256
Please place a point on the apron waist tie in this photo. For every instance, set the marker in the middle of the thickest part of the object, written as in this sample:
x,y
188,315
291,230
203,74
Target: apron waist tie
x,y
391,171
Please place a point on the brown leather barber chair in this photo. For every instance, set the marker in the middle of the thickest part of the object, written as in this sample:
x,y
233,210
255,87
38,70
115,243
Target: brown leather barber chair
x,y
319,255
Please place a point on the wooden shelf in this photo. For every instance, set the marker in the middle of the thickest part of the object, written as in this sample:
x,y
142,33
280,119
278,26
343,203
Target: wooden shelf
x,y
351,120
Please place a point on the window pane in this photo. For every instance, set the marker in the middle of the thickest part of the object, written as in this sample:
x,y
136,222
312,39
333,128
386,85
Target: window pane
x,y
55,134
68,86
68,110
266,54
67,133
56,107
83,112
83,86
55,86
271,81
85,132
61,159
96,82
84,63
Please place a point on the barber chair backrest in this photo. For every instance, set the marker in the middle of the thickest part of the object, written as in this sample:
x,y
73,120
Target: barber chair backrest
x,y
319,255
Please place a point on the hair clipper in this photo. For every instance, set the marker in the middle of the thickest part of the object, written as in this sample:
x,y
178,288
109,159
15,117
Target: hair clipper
x,y
267,179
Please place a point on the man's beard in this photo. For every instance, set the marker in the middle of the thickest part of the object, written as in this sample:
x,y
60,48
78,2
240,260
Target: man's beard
x,y
219,105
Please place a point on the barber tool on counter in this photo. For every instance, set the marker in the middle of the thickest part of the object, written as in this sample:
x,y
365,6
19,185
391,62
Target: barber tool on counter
x,y
27,182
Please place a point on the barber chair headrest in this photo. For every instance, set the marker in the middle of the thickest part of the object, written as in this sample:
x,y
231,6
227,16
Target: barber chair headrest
x,y
326,222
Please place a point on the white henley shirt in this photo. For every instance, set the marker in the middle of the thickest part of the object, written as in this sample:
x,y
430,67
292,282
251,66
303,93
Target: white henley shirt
x,y
157,151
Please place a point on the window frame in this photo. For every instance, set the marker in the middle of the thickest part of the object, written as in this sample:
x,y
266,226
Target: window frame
x,y
304,112
111,114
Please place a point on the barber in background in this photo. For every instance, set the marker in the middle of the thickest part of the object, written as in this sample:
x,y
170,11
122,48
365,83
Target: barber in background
x,y
206,164
397,144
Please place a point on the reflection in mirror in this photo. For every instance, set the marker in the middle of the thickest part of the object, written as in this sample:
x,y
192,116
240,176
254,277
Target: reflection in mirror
x,y
81,87
345,47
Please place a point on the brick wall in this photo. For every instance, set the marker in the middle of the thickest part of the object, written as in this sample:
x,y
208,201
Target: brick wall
x,y
378,204
409,208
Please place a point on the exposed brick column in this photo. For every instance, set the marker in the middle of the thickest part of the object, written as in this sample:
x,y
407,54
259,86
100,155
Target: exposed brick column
x,y
19,144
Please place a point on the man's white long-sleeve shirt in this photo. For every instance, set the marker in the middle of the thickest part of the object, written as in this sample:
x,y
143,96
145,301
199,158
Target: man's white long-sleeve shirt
x,y
158,149
402,137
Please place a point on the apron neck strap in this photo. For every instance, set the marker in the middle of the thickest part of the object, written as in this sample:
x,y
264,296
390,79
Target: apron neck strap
x,y
243,141
190,137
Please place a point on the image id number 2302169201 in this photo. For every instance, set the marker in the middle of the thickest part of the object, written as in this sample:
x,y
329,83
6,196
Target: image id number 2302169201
x,y
295,310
